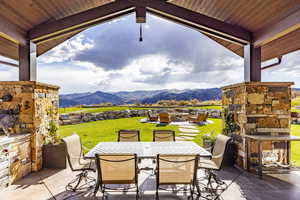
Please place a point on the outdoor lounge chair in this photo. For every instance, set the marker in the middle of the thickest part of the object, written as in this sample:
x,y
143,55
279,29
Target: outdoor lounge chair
x,y
176,169
129,136
215,163
76,162
199,118
151,116
116,169
164,118
163,135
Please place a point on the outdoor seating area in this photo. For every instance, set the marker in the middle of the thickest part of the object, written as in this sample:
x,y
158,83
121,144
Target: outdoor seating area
x,y
168,117
242,149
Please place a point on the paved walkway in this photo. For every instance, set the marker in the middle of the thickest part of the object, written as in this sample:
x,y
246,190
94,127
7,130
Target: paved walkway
x,y
188,131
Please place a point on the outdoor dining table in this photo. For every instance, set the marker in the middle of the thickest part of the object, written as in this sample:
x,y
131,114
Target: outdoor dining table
x,y
145,150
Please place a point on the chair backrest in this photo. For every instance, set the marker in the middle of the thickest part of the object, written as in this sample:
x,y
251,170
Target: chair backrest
x,y
163,135
73,150
176,169
129,136
164,117
219,149
116,168
201,117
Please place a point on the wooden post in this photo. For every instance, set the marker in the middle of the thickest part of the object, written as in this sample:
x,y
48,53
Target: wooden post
x,y
27,61
252,63
140,13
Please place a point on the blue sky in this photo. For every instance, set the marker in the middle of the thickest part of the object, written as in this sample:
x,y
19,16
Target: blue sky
x,y
109,57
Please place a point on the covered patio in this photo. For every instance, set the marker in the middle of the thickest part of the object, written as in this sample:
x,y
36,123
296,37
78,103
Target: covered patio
x,y
258,31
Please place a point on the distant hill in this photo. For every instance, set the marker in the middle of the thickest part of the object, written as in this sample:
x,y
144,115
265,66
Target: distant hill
x,y
142,96
200,94
151,96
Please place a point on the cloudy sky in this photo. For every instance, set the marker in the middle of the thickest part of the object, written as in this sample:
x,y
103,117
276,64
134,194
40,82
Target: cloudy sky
x,y
109,57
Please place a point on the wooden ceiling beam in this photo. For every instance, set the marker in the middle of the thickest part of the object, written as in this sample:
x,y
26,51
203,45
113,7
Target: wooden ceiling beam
x,y
193,19
80,21
11,32
278,29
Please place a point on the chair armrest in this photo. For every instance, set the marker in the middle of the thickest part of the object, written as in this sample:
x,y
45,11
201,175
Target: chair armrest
x,y
218,156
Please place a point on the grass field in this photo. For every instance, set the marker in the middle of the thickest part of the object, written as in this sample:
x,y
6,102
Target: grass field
x,y
104,131
103,109
95,132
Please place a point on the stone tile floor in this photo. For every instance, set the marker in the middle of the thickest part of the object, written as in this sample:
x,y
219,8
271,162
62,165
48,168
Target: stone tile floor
x,y
49,184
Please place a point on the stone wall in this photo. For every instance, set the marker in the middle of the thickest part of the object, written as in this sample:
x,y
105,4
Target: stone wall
x,y
259,108
27,108
80,117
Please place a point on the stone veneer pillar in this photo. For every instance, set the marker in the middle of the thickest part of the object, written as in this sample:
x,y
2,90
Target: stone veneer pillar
x,y
34,105
259,108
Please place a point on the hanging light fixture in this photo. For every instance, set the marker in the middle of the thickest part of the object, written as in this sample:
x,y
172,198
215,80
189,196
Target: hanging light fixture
x,y
141,34
140,18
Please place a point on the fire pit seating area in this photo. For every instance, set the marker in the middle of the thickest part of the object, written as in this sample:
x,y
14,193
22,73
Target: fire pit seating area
x,y
177,115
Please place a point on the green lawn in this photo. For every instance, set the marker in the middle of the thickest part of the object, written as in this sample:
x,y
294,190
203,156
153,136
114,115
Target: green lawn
x,y
95,132
92,133
296,145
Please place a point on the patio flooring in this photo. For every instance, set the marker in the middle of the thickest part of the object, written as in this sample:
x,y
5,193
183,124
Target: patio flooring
x,y
49,184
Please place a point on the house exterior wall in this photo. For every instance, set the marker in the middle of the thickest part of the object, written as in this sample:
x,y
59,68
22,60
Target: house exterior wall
x,y
259,108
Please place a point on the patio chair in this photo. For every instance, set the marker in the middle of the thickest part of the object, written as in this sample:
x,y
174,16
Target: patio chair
x,y
215,163
129,136
76,161
164,117
199,118
151,116
163,135
116,169
176,169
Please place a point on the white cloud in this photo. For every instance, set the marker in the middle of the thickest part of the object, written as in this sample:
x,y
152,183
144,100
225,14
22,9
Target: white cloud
x,y
67,50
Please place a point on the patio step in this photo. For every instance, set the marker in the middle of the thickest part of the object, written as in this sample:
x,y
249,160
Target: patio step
x,y
185,130
187,137
188,127
188,134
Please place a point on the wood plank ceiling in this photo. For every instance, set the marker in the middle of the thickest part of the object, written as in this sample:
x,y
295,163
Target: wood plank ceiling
x,y
252,15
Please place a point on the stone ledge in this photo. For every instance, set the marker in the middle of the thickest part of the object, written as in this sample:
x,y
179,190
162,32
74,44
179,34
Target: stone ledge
x,y
258,84
35,83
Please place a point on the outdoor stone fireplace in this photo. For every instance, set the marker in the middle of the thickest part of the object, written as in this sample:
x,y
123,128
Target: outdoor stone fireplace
x,y
259,108
26,108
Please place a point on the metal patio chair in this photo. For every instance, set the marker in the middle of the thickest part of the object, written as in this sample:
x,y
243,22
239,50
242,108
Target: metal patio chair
x,y
129,136
117,169
176,169
77,163
163,135
215,163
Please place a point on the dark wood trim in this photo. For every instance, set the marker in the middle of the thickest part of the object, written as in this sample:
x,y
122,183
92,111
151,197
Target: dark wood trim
x,y
119,8
278,29
27,62
11,32
196,20
81,20
252,63
8,63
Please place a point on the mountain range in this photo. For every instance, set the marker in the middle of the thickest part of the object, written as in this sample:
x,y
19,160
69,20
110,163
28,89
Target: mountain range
x,y
141,96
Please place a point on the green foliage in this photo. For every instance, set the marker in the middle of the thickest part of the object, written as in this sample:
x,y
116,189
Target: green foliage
x,y
295,145
53,137
231,125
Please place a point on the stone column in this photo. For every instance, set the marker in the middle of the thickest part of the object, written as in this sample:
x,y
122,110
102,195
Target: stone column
x,y
257,108
27,108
